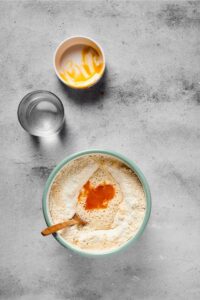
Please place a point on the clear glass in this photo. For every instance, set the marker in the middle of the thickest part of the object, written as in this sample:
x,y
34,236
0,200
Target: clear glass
x,y
41,113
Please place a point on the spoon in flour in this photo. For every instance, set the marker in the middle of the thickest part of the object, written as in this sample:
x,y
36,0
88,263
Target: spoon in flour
x,y
54,228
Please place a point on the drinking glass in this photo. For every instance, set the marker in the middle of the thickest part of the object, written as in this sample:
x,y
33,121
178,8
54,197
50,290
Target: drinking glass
x,y
41,113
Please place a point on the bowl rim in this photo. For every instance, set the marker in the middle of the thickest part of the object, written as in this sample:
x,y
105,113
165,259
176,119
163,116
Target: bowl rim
x,y
130,164
57,73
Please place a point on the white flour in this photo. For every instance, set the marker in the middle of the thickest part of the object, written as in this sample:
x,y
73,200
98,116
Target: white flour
x,y
120,220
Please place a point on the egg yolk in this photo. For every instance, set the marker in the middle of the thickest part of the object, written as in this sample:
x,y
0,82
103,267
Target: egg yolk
x,y
91,64
97,197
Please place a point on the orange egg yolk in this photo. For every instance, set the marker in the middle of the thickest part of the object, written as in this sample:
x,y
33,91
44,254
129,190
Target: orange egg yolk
x,y
97,197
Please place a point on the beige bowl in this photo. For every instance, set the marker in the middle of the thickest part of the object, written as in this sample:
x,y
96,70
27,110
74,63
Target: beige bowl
x,y
68,55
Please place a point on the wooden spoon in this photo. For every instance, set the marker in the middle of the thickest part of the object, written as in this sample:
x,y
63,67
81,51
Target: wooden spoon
x,y
52,229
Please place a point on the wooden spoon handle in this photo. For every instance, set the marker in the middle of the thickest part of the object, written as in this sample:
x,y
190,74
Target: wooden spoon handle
x,y
56,227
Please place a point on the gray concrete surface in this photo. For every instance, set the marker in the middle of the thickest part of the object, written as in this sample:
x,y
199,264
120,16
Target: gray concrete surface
x,y
147,107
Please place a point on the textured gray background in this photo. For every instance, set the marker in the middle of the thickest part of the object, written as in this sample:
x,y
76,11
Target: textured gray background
x,y
147,107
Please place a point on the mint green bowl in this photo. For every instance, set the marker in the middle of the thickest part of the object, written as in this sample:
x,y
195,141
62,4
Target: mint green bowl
x,y
125,160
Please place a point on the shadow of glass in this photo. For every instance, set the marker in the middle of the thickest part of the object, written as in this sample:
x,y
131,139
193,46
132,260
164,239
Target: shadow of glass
x,y
40,143
35,141
63,133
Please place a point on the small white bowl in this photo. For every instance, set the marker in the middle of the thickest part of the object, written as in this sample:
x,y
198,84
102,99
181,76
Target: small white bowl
x,y
63,50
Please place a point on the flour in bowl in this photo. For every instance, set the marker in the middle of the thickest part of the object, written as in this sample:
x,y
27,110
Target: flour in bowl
x,y
106,194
